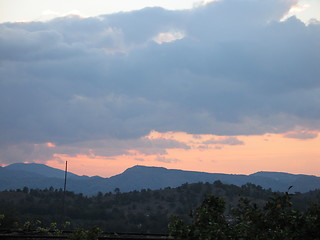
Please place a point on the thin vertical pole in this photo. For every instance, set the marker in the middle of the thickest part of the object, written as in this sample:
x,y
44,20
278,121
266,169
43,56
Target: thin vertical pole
x,y
64,191
65,179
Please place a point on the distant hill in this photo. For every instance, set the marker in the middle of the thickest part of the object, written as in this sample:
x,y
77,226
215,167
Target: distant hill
x,y
42,169
141,177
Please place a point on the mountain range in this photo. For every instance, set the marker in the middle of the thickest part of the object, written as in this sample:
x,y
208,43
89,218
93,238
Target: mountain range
x,y
32,175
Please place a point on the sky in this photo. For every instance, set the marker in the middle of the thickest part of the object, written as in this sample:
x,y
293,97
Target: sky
x,y
223,86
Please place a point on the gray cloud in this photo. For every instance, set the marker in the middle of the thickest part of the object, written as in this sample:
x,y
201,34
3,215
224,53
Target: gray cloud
x,y
26,152
106,149
225,141
167,160
301,134
238,70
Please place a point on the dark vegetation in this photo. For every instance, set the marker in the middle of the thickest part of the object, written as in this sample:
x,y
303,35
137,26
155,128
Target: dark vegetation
x,y
276,220
200,210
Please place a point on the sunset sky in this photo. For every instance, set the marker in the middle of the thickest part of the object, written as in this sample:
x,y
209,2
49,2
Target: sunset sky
x,y
228,86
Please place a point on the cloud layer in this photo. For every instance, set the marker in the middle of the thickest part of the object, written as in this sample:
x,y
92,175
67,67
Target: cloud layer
x,y
227,68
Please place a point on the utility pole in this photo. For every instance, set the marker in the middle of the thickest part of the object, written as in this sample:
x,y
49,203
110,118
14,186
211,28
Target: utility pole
x,y
65,178
64,192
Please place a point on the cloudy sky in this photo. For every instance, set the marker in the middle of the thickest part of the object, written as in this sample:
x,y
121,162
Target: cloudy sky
x,y
228,86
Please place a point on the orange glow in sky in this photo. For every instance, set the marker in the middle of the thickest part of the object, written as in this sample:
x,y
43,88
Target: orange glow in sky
x,y
85,88
209,153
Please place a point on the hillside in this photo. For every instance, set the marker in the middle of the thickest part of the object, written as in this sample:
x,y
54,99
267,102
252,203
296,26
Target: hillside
x,y
142,177
137,211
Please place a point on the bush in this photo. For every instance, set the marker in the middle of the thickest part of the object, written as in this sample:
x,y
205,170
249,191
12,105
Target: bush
x,y
275,221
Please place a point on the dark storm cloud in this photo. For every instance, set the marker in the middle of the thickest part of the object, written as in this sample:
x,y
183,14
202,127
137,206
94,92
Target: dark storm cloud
x,y
238,70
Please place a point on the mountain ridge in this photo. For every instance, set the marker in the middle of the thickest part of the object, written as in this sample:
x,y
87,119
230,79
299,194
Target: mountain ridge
x,y
143,177
41,169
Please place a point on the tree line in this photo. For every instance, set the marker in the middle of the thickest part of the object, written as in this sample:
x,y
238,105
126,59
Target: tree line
x,y
149,211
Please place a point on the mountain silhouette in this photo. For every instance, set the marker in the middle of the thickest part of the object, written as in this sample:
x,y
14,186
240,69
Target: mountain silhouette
x,y
40,176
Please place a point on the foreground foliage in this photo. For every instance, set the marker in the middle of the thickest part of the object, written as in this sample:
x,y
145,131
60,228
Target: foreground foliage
x,y
275,220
